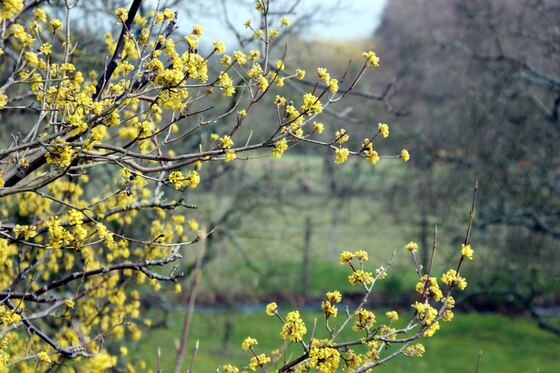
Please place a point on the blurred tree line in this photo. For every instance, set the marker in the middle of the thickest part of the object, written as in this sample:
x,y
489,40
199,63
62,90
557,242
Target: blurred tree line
x,y
482,80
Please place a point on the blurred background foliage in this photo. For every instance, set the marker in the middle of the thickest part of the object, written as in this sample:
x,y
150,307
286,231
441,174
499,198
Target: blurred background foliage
x,y
472,89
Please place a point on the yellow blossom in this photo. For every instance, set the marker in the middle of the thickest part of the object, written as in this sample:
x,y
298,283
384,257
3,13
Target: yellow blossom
x,y
228,368
405,156
10,8
254,54
230,155
193,225
240,57
271,309
372,156
176,178
341,136
219,46
192,41
467,251
44,358
433,287
169,15
341,155
365,319
361,276
121,14
323,357
334,296
197,30
279,148
285,21
123,351
46,49
392,315
258,361
294,328
361,255
411,247
371,58
318,127
415,350
381,273
451,278
262,83
311,104
9,317
279,100
31,58
329,309
323,74
226,83
3,100
69,303
248,343
226,142
346,257
383,129
28,231
56,24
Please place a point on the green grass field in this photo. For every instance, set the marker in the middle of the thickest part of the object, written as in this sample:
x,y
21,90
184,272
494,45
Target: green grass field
x,y
508,344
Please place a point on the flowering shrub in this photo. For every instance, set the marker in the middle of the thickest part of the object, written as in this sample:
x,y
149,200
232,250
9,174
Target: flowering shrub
x,y
373,342
70,271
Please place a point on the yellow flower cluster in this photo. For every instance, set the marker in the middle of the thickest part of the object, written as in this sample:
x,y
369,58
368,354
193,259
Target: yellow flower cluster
x,y
8,316
352,360
371,58
10,8
44,358
405,156
28,231
365,320
383,129
328,305
342,136
467,251
271,309
180,181
427,315
226,142
411,247
392,315
346,257
360,276
228,368
294,328
60,155
311,104
318,127
323,74
341,155
417,350
322,356
451,278
279,148
258,361
248,343
433,288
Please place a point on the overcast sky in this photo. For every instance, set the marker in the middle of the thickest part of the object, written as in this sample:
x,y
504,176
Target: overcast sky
x,y
353,19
